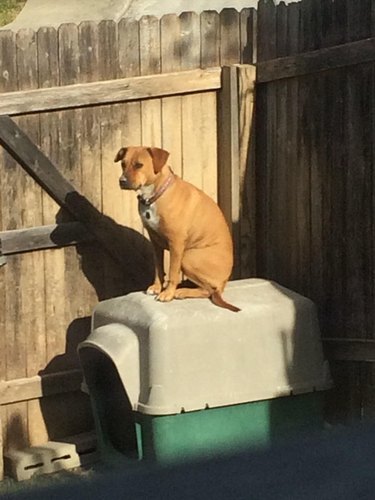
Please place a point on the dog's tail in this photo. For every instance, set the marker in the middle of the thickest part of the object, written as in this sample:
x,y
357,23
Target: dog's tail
x,y
218,300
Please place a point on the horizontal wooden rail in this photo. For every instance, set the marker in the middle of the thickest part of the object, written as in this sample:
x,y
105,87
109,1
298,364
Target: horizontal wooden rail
x,y
339,56
25,389
39,238
350,349
109,91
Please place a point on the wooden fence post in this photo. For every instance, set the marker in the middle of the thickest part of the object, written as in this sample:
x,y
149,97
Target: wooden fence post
x,y
236,177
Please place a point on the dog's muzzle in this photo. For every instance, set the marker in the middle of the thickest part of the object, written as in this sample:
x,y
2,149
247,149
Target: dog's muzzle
x,y
123,183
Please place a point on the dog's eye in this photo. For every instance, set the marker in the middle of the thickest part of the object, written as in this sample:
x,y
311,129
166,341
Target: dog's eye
x,y
138,165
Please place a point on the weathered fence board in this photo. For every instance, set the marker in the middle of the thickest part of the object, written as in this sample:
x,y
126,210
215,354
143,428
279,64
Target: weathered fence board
x,y
210,122
328,59
109,92
130,114
170,50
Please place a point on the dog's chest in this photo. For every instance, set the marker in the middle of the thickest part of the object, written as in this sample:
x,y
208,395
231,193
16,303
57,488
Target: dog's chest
x,y
149,216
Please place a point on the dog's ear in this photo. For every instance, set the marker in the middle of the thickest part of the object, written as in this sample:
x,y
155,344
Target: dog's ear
x,y
159,158
121,154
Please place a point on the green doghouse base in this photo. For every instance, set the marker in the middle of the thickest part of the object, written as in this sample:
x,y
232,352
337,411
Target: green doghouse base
x,y
206,433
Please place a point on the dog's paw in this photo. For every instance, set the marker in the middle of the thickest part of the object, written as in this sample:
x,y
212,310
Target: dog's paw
x,y
165,296
180,294
154,289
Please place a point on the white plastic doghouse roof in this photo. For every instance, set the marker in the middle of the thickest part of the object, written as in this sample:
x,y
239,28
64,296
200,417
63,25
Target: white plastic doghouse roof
x,y
189,355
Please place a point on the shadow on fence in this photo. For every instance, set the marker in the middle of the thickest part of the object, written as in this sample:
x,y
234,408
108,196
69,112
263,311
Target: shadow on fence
x,y
123,264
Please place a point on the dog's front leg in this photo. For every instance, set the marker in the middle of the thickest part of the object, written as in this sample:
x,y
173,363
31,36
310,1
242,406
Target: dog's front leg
x,y
157,286
176,250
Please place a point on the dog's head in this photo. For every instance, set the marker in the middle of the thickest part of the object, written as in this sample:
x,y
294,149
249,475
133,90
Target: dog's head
x,y
140,165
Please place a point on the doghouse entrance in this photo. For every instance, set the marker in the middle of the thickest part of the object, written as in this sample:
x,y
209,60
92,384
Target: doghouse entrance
x,y
111,405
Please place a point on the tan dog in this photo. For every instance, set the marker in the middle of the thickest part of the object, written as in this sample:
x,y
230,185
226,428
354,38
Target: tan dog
x,y
182,219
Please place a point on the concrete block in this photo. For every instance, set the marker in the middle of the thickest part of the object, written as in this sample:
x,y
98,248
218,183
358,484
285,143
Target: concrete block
x,y
50,457
86,446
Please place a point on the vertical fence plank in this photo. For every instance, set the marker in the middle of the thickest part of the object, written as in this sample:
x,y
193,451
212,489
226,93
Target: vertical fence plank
x,y
208,131
266,132
114,203
372,141
292,167
301,262
318,180
70,165
358,204
32,322
88,42
266,34
333,159
170,58
247,180
8,273
336,160
199,124
28,326
91,256
248,36
31,319
150,55
236,167
170,43
191,104
55,327
370,395
150,50
228,154
230,45
54,260
130,120
8,82
210,56
69,160
15,416
358,259
280,169
210,39
150,64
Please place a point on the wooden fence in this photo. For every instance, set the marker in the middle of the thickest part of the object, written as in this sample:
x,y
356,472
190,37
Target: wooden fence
x,y
83,91
80,93
315,176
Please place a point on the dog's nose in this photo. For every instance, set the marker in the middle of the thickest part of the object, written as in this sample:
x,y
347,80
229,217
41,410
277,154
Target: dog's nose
x,y
123,182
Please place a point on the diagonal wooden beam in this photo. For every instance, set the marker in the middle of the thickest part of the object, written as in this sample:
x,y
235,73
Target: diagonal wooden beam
x,y
36,164
129,248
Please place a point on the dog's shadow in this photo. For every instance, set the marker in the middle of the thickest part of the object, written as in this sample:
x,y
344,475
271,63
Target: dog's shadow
x,y
123,264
